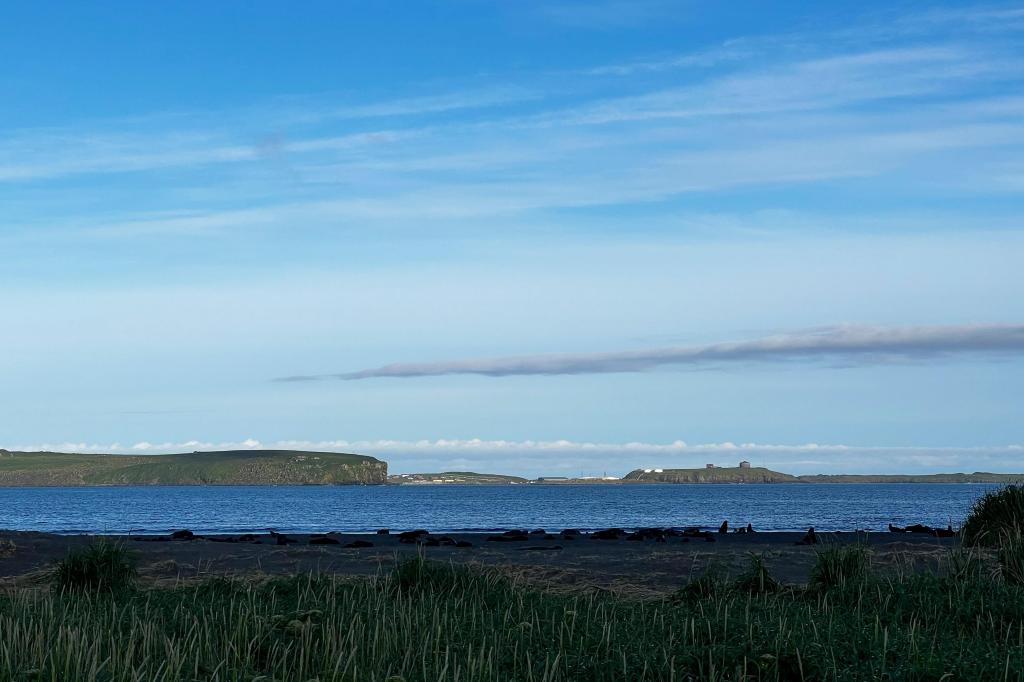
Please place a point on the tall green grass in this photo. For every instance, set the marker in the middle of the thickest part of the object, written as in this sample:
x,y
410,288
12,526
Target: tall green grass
x,y
757,579
429,621
842,567
97,567
995,515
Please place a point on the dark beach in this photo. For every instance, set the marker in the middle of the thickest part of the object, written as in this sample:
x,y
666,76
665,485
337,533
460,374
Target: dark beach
x,y
555,561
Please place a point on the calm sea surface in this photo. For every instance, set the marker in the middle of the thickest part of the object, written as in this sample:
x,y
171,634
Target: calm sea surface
x,y
232,509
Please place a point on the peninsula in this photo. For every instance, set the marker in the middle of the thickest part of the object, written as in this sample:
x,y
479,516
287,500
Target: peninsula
x,y
225,467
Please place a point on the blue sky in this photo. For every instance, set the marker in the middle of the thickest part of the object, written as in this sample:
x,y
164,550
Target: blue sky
x,y
527,237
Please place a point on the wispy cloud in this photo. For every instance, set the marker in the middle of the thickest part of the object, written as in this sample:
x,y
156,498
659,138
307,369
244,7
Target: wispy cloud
x,y
731,51
56,153
670,174
859,345
573,150
415,106
819,83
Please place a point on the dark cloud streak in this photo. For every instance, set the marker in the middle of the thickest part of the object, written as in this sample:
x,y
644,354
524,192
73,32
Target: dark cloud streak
x,y
844,345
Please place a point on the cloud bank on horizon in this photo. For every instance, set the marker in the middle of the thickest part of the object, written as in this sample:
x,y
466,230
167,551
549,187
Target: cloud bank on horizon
x,y
851,344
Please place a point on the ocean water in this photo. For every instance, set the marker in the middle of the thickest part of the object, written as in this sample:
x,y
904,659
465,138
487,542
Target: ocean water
x,y
235,509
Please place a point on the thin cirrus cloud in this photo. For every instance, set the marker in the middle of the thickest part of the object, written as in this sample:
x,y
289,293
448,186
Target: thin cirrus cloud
x,y
850,345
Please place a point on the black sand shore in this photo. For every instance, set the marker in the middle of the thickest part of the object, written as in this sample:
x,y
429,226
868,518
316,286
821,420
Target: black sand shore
x,y
572,563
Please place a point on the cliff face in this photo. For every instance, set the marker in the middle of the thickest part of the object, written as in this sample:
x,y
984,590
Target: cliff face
x,y
716,475
237,467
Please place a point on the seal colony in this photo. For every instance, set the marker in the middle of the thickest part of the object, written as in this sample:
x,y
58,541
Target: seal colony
x,y
653,560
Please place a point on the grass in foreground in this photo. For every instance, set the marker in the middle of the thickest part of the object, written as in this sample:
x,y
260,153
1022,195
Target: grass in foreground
x,y
99,567
430,621
995,516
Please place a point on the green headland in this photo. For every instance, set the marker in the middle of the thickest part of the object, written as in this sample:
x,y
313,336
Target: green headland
x,y
226,467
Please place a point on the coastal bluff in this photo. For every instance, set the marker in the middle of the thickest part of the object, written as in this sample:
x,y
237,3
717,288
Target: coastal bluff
x,y
224,467
709,475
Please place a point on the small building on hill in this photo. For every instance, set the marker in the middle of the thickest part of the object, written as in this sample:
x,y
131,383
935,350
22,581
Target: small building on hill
x,y
709,466
744,464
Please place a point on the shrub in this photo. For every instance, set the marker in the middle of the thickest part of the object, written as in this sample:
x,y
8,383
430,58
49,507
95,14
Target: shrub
x,y
419,574
98,567
711,583
994,515
840,567
757,579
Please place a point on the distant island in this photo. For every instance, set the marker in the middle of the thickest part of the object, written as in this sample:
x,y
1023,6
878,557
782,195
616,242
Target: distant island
x,y
226,467
708,474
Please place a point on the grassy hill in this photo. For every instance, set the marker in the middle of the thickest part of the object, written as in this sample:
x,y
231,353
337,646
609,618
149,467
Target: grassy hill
x,y
455,477
227,467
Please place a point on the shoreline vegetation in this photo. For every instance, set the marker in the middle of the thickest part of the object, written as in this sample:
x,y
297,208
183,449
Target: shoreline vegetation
x,y
424,618
864,607
299,467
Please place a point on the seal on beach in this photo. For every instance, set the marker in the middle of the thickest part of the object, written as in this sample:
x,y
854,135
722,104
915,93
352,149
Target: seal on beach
x,y
810,538
411,536
509,536
607,534
946,532
323,540
359,544
282,539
